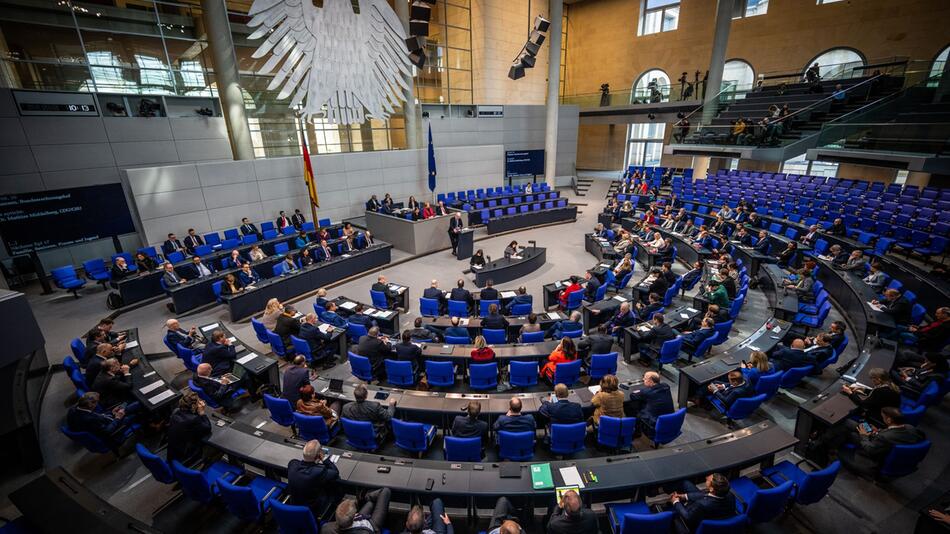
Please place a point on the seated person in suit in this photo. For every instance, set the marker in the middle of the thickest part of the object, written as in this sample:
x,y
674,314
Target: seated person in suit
x,y
321,298
364,515
376,349
324,250
650,402
590,289
742,237
489,292
144,263
622,319
433,292
837,228
248,276
199,269
382,285
420,333
313,481
597,342
692,340
876,279
477,261
296,375
120,269
897,306
521,297
175,334
109,426
188,427
646,311
572,517
407,351
794,355
193,240
514,420
373,204
256,254
762,246
757,366
856,261
531,326
305,258
330,316
235,260
692,506
728,393
220,390
249,228
559,410
360,318
913,380
231,285
114,384
469,425
455,330
693,274
872,448
459,293
170,277
494,320
370,411
931,337
820,351
571,324
649,343
219,354
172,244
287,325
315,338
308,403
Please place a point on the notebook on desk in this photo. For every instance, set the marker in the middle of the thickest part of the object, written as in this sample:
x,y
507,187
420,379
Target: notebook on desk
x,y
509,470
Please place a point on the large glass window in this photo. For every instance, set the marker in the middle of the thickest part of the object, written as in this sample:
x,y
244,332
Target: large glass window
x,y
749,8
659,16
652,86
940,62
645,144
838,63
738,74
800,165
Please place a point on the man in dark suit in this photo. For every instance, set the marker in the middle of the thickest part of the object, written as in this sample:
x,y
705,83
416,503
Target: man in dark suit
x,y
172,244
489,292
295,377
654,305
650,342
108,427
590,289
315,338
461,294
737,388
114,384
785,358
650,402
494,320
598,342
658,285
873,447
692,506
433,292
820,351
571,517
692,340
297,219
360,318
193,240
287,325
188,428
407,351
455,330
455,228
282,221
561,411
220,390
312,482
469,425
324,250
666,270
176,335
622,319
897,306
370,411
219,354
382,285
522,297
373,204
420,333
249,228
198,268
514,420
331,317
372,347
742,237
762,246
571,324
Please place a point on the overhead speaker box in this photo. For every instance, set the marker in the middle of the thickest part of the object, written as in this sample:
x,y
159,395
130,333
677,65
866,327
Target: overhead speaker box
x,y
418,58
516,71
536,37
420,11
527,61
532,48
541,24
415,43
419,27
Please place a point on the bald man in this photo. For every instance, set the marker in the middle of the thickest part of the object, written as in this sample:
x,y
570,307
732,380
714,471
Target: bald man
x,y
786,358
433,292
382,285
313,481
186,338
650,401
571,517
220,390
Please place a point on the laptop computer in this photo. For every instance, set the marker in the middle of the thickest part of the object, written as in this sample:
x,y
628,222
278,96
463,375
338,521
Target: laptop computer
x,y
336,385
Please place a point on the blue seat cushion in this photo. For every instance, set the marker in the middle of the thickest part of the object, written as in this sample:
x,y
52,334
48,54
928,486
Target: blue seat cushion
x,y
221,469
784,471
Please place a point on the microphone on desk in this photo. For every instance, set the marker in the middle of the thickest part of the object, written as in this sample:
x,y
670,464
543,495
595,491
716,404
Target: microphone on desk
x,y
534,244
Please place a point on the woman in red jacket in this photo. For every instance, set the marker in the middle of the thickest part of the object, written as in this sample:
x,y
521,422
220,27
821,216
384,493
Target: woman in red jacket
x,y
427,211
574,286
565,352
482,353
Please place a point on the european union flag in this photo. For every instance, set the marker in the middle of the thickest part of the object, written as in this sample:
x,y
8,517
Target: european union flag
x,y
432,171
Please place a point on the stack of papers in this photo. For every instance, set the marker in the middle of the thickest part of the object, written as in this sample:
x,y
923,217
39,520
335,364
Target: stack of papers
x,y
621,298
211,326
348,305
325,328
131,345
151,387
250,356
507,294
571,476
161,396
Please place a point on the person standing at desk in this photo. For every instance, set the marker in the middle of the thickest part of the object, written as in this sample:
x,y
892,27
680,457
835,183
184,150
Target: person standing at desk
x,y
249,228
192,241
511,251
219,354
455,228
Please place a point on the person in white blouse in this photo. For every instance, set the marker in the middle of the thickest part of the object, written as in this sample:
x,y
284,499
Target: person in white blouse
x,y
657,240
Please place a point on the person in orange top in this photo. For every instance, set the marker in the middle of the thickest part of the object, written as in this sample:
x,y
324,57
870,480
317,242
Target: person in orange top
x,y
565,352
427,211
482,353
575,285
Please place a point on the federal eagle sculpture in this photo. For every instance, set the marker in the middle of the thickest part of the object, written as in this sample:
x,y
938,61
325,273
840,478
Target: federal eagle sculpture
x,y
332,61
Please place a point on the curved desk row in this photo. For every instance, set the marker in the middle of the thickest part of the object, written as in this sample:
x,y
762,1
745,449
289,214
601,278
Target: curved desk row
x,y
151,390
852,296
505,270
474,324
506,223
290,286
386,320
478,484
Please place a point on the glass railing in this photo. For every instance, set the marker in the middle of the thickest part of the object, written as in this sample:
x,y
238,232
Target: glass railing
x,y
645,95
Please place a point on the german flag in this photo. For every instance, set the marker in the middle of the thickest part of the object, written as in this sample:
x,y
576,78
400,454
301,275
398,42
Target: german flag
x,y
308,177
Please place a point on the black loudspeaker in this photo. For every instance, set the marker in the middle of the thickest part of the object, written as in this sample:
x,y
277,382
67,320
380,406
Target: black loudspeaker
x,y
536,37
418,58
516,71
415,44
531,48
419,27
420,11
541,24
528,61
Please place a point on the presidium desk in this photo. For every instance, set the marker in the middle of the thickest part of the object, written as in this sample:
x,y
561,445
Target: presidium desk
x,y
508,269
415,237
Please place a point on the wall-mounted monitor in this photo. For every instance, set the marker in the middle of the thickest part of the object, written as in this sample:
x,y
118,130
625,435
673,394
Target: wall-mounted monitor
x,y
524,163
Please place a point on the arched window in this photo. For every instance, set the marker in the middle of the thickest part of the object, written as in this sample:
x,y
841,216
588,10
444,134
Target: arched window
x,y
739,74
940,62
652,86
838,63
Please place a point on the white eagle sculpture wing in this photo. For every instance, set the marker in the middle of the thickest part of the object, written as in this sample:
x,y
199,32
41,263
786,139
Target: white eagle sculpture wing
x,y
333,62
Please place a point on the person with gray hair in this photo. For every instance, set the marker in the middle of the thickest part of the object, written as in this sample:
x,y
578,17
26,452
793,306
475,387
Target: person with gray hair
x,y
376,349
571,517
366,518
312,481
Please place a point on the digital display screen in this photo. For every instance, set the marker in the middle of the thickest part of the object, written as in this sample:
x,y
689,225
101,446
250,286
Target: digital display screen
x,y
524,163
44,220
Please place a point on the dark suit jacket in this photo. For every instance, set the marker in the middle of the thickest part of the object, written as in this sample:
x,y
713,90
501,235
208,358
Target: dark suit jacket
x,y
219,357
455,224
654,401
192,241
489,293
372,205
786,357
286,327
590,290
169,246
192,270
457,331
900,309
219,393
309,483
180,337
294,378
623,321
113,390
464,426
646,313
119,274
731,393
384,289
297,219
702,506
374,349
313,336
584,522
878,445
658,335
434,293
762,247
494,321
461,294
520,423
186,434
248,279
171,279
694,338
370,411
596,344
659,286
100,425
409,353
332,318
249,229
562,412
518,299
819,355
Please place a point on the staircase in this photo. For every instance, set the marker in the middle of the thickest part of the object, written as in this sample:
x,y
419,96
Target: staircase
x,y
582,185
612,190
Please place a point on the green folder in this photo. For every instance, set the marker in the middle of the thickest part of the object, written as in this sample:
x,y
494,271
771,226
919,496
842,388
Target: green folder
x,y
541,477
